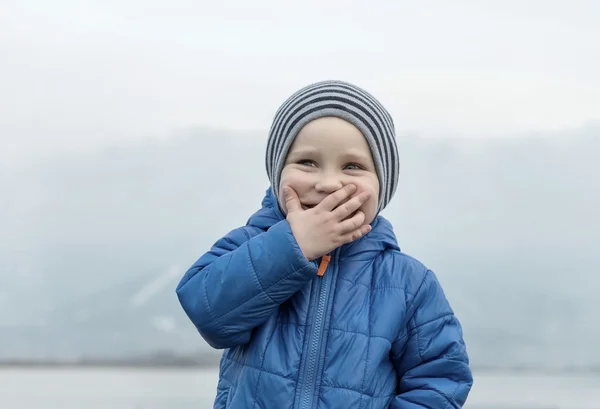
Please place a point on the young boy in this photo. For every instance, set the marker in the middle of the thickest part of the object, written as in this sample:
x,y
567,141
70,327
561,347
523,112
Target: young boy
x,y
313,300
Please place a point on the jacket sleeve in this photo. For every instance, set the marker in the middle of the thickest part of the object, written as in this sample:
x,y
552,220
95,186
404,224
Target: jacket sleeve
x,y
431,358
238,284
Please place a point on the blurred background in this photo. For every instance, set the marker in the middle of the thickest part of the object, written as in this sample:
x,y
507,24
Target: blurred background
x,y
132,136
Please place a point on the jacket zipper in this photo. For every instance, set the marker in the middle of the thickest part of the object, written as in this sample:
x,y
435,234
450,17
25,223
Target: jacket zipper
x,y
315,339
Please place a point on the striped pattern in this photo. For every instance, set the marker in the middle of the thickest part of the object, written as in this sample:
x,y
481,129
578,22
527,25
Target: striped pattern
x,y
345,101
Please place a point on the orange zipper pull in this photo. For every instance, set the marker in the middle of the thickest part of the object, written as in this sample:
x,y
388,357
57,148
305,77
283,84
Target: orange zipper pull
x,y
323,265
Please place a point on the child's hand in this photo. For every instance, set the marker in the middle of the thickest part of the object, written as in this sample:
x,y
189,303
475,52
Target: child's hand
x,y
324,227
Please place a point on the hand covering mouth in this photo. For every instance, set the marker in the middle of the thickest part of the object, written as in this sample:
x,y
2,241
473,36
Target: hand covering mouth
x,y
306,206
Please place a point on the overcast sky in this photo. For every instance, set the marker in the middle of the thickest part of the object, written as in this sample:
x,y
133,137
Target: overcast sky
x,y
82,74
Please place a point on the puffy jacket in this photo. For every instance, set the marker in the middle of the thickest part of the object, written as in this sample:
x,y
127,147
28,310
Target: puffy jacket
x,y
375,331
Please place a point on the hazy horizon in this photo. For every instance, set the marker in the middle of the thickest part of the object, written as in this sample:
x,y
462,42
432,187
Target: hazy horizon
x,y
95,243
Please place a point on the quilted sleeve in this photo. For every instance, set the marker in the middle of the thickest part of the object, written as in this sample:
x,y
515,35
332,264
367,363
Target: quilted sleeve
x,y
239,283
431,358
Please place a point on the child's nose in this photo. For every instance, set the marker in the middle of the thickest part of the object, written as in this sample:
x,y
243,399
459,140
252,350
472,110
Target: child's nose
x,y
328,183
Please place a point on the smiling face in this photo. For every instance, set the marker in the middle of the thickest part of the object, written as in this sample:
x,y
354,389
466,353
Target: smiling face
x,y
327,154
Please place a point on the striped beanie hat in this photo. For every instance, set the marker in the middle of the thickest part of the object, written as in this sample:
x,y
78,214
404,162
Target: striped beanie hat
x,y
346,101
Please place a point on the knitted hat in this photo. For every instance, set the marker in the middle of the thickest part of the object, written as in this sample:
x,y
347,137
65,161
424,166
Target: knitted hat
x,y
348,102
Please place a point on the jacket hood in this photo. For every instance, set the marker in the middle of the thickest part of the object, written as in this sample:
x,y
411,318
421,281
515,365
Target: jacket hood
x,y
380,238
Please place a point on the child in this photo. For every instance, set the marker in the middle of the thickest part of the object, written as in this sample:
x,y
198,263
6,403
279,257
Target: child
x,y
313,300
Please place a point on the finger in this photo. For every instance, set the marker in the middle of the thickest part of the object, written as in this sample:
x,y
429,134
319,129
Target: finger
x,y
292,202
356,234
334,199
346,209
352,223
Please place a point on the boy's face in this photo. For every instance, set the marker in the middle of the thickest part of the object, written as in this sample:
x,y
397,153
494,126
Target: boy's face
x,y
327,154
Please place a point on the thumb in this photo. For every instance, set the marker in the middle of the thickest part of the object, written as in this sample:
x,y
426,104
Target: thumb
x,y
292,203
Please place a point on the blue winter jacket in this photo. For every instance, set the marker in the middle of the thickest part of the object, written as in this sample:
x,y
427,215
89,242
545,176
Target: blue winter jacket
x,y
375,331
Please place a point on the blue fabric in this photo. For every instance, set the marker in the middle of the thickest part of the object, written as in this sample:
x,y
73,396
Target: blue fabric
x,y
376,331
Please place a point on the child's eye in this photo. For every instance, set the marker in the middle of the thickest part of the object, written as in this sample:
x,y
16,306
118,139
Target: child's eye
x,y
353,166
306,162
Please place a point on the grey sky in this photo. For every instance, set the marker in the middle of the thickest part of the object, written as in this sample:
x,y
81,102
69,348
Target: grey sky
x,y
81,74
